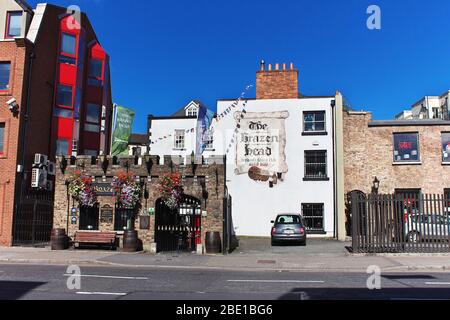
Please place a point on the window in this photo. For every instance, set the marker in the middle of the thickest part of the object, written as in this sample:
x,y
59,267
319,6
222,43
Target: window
x,y
192,112
64,96
316,165
93,113
13,24
445,138
91,127
313,217
406,147
95,68
67,60
314,121
62,147
179,139
209,141
124,219
136,151
63,113
95,82
90,152
74,146
5,68
89,218
2,139
288,219
68,44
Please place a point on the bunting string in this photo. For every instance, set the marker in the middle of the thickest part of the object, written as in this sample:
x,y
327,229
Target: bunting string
x,y
219,118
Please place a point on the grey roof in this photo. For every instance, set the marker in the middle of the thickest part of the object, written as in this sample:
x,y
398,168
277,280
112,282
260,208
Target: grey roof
x,y
137,138
182,113
416,122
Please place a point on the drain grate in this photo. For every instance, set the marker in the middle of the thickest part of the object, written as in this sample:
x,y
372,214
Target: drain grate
x,y
266,261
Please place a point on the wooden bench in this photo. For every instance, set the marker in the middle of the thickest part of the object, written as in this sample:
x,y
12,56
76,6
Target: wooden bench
x,y
95,238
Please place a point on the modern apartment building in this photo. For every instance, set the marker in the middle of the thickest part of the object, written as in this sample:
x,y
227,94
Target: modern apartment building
x,y
55,99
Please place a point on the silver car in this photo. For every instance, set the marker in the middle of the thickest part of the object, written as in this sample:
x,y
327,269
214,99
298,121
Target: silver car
x,y
421,227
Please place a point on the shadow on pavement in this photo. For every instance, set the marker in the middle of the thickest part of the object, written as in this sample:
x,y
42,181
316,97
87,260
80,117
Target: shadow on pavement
x,y
13,290
366,294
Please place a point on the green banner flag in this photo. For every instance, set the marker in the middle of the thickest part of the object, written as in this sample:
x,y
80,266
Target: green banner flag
x,y
122,126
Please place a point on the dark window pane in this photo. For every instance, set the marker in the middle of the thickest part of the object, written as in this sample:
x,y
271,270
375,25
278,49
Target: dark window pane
x,y
406,147
5,68
95,68
93,113
63,113
62,147
14,24
288,219
95,82
445,147
91,127
64,96
314,121
2,138
68,43
313,217
68,60
315,164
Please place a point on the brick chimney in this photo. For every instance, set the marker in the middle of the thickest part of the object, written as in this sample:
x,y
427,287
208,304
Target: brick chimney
x,y
275,83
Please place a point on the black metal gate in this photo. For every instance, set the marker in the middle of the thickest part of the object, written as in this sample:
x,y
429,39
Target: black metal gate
x,y
178,229
400,222
33,220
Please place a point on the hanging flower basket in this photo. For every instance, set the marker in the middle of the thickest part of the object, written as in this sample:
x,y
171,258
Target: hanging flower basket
x,y
81,189
171,190
126,190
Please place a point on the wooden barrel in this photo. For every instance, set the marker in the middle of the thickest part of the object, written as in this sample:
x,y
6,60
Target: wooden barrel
x,y
130,241
59,239
213,243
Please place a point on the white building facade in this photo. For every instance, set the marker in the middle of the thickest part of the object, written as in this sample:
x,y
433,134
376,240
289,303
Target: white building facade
x,y
280,153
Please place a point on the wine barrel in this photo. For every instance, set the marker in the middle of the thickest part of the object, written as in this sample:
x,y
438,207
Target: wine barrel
x,y
213,243
130,241
59,239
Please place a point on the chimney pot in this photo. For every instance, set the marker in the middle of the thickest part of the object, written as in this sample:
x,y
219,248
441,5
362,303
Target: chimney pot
x,y
291,66
270,67
277,66
284,66
262,65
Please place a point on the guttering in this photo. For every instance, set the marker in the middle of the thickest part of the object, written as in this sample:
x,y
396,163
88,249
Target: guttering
x,y
333,111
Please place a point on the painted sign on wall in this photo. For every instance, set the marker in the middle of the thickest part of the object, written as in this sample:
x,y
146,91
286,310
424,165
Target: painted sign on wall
x,y
261,142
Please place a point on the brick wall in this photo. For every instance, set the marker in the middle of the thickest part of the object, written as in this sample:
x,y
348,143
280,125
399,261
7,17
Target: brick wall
x,y
368,153
213,174
14,52
277,84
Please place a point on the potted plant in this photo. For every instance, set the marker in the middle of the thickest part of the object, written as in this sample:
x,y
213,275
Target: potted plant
x,y
82,190
171,189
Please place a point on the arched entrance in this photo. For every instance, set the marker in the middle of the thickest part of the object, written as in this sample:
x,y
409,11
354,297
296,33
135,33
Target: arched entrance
x,y
178,229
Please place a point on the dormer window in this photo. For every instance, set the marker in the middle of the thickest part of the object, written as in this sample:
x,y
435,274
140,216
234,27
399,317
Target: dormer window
x,y
192,112
13,24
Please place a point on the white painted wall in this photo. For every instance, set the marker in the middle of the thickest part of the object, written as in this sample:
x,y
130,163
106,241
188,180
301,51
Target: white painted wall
x,y
254,203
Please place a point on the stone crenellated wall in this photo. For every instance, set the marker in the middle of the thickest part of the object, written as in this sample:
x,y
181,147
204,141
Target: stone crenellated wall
x,y
211,171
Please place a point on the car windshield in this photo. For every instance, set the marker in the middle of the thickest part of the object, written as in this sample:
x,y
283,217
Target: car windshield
x,y
288,219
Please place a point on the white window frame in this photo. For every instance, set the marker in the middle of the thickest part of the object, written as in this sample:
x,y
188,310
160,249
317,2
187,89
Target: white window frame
x,y
192,112
179,139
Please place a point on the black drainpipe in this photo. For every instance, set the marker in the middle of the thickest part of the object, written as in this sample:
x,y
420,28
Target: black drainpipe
x,y
333,111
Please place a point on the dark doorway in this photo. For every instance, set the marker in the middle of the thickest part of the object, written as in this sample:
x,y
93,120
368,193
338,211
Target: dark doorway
x,y
178,229
88,218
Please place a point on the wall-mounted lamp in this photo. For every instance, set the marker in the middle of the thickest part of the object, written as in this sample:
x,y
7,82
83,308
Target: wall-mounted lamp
x,y
13,105
104,162
62,163
148,163
193,164
375,185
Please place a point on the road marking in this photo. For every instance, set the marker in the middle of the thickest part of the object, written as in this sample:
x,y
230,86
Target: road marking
x,y
100,276
438,283
279,281
102,293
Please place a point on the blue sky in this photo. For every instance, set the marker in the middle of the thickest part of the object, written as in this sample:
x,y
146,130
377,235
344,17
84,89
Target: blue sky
x,y
166,53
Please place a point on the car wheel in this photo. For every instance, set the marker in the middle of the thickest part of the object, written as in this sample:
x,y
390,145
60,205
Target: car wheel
x,y
274,243
303,243
413,237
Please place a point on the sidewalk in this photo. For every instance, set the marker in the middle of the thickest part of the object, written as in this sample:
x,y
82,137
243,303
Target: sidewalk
x,y
335,260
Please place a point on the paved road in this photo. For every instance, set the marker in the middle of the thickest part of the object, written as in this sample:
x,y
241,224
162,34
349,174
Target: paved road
x,y
50,282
